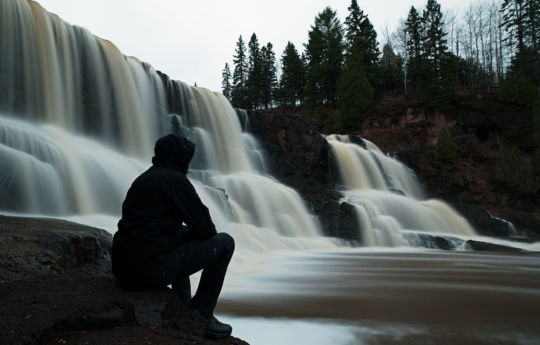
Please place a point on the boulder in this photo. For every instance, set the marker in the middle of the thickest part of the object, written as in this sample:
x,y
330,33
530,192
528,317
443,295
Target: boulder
x,y
36,246
56,288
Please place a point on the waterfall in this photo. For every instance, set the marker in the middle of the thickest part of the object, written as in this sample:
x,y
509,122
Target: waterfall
x,y
78,121
387,198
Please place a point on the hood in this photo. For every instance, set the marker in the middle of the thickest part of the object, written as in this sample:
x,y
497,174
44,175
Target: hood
x,y
174,152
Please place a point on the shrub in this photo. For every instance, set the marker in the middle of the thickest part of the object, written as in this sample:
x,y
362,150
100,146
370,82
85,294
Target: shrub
x,y
446,149
515,171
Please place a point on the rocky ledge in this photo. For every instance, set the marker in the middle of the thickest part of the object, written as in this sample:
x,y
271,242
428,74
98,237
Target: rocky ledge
x,y
56,288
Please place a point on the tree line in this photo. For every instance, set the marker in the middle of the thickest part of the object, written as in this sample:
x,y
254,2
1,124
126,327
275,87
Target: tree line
x,y
431,54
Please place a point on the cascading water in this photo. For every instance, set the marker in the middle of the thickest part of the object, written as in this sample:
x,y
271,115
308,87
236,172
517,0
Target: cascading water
x,y
387,198
78,121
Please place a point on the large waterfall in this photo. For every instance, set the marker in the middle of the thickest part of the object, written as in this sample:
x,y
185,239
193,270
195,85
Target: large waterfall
x,y
78,121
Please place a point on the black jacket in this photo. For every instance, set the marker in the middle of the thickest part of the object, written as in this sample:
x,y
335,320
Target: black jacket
x,y
156,205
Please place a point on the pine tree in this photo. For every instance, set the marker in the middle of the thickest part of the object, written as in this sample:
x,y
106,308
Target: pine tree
x,y
361,41
254,82
434,43
355,94
521,20
514,18
226,86
292,81
390,68
324,53
436,88
413,28
239,89
269,79
414,34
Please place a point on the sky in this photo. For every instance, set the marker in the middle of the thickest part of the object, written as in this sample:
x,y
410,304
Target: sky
x,y
192,40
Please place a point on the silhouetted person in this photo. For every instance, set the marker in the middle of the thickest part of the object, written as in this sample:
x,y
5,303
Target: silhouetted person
x,y
152,248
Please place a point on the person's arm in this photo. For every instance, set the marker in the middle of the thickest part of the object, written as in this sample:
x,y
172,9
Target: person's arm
x,y
194,213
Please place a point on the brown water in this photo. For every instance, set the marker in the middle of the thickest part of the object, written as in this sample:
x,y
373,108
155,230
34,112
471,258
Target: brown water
x,y
388,297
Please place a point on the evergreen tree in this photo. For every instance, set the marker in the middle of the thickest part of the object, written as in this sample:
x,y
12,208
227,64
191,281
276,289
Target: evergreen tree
x,y
239,88
355,93
436,89
226,86
521,20
434,42
293,77
269,78
361,41
324,53
413,28
254,82
413,34
390,68
514,21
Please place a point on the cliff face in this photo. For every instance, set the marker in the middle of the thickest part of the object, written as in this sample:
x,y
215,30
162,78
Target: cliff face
x,y
299,157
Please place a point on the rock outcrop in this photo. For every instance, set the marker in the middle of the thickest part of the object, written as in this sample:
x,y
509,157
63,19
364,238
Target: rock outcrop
x,y
56,288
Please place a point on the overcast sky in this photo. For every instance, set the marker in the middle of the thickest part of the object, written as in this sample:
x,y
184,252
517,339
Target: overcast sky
x,y
192,40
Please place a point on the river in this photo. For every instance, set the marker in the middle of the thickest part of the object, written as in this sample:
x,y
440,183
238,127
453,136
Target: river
x,y
382,296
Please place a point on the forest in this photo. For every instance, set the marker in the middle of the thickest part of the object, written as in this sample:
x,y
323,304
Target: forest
x,y
433,57
493,45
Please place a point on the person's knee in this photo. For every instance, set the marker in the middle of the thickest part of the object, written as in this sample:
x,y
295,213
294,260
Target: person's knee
x,y
227,240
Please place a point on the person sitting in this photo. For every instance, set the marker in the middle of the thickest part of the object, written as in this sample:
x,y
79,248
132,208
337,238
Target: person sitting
x,y
153,248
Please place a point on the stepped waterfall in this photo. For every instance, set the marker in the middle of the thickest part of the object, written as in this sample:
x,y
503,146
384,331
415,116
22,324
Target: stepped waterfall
x,y
78,120
387,198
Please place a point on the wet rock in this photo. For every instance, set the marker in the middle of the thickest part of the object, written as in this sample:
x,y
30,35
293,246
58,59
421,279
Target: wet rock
x,y
527,225
432,241
339,220
484,222
486,246
297,153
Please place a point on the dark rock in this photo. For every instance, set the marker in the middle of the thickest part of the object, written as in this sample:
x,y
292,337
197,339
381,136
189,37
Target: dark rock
x,y
56,286
34,246
432,241
526,225
296,152
484,222
339,220
486,246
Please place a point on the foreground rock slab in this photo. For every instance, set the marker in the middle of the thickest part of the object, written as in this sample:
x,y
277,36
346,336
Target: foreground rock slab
x,y
56,288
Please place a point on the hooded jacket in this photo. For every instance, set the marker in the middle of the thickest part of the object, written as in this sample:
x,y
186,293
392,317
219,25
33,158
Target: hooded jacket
x,y
156,205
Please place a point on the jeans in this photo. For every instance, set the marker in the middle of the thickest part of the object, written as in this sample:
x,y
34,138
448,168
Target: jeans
x,y
212,256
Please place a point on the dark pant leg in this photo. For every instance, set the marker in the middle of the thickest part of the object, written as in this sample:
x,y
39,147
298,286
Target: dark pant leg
x,y
212,256
182,287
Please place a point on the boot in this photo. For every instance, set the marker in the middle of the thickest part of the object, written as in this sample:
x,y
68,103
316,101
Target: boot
x,y
216,330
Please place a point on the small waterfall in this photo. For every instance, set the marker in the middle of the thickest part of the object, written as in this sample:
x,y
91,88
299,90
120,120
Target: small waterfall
x,y
388,200
78,121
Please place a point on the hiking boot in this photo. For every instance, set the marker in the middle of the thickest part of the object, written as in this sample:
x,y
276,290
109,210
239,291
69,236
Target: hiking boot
x,y
216,330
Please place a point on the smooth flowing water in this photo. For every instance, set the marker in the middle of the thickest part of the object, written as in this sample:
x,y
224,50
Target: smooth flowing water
x,y
382,296
77,124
